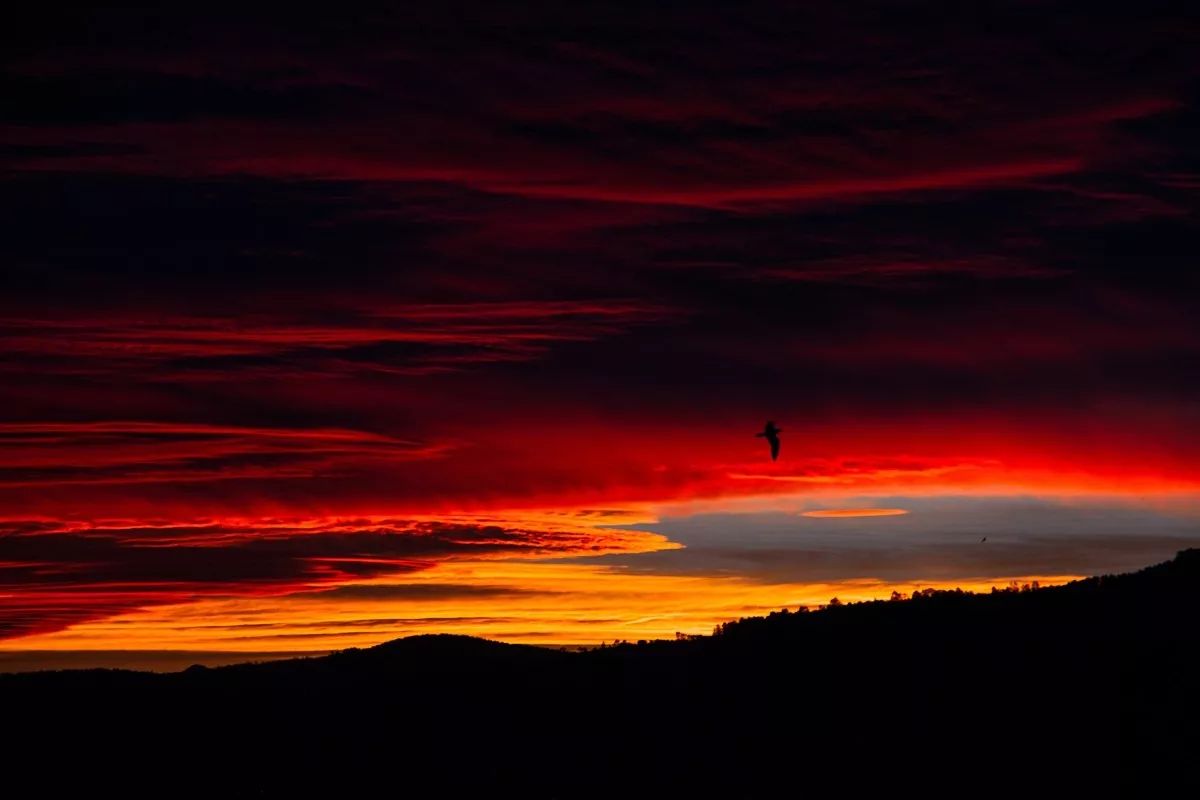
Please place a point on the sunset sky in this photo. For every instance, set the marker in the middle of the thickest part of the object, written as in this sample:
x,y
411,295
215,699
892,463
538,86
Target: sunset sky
x,y
320,330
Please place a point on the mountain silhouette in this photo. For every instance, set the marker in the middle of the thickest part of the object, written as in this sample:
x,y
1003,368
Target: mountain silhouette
x,y
1083,690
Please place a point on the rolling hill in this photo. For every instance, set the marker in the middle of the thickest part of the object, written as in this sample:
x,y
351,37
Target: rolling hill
x,y
1088,689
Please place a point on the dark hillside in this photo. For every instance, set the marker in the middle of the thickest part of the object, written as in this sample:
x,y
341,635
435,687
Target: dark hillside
x,y
1086,690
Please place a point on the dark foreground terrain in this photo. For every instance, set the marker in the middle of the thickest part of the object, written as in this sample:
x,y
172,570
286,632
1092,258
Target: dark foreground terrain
x,y
1086,690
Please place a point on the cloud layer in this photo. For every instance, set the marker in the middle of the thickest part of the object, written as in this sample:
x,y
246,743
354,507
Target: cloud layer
x,y
54,574
411,265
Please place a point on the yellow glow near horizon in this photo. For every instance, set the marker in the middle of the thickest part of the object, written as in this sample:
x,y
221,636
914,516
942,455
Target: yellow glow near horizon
x,y
514,601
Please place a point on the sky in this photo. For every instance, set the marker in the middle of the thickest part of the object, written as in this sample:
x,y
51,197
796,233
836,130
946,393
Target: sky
x,y
321,329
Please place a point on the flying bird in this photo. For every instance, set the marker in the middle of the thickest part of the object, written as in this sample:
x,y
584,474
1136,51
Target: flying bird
x,y
771,434
984,539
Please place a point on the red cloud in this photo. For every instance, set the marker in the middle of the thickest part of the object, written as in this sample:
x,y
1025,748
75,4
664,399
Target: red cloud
x,y
47,454
413,339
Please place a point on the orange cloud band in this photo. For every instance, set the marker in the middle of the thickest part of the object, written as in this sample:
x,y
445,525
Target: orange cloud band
x,y
838,513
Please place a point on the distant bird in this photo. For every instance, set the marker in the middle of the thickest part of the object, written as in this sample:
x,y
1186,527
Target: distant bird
x,y
771,434
984,539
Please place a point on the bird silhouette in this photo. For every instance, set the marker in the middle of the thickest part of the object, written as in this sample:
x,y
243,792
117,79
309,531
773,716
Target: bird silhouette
x,y
984,539
771,434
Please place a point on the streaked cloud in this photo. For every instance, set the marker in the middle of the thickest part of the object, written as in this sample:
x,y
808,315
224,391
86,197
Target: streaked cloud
x,y
843,513
58,573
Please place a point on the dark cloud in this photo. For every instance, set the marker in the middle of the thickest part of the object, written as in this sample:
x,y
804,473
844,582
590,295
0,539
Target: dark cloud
x,y
413,339
417,591
45,454
157,97
55,574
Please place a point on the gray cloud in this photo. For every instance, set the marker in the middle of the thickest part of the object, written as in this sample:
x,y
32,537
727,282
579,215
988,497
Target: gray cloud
x,y
939,539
